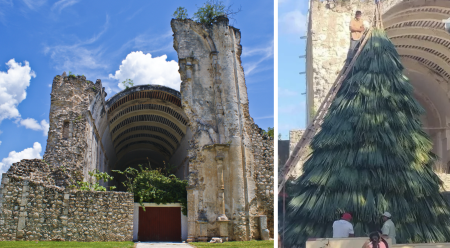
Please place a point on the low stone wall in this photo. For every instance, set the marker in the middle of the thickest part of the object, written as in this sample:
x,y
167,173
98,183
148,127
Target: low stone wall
x,y
263,153
31,210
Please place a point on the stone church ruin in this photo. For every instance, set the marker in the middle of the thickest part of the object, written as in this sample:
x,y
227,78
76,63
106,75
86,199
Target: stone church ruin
x,y
205,131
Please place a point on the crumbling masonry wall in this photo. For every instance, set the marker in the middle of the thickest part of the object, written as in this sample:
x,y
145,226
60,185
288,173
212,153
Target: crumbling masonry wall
x,y
264,156
33,208
226,191
73,140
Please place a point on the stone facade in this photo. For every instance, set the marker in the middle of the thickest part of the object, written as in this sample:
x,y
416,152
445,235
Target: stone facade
x,y
206,134
225,193
33,208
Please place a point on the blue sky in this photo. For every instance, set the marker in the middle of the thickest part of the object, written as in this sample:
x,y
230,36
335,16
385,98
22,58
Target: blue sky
x,y
101,39
292,21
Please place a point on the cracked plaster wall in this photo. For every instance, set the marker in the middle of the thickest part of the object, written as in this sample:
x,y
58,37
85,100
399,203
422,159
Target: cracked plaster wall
x,y
214,97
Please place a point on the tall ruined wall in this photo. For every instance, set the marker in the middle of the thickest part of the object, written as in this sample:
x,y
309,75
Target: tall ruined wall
x,y
328,44
222,164
33,208
73,140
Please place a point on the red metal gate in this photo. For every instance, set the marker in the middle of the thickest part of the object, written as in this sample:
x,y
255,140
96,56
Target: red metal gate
x,y
160,224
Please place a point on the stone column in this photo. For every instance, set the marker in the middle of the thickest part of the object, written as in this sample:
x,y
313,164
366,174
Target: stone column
x,y
264,232
22,211
218,97
221,150
222,219
191,215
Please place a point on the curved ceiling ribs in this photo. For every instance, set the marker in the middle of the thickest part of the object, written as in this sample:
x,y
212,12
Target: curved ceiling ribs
x,y
416,29
146,117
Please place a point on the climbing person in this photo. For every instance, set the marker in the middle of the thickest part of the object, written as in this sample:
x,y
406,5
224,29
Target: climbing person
x,y
388,229
356,32
343,228
375,241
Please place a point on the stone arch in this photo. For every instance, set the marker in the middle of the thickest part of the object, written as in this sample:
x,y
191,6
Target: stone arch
x,y
416,29
146,124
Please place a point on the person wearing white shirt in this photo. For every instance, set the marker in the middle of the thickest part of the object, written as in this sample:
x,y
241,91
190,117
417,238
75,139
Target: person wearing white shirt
x,y
343,228
388,228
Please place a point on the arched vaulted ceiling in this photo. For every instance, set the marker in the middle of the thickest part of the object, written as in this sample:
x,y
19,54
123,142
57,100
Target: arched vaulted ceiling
x,y
417,30
146,119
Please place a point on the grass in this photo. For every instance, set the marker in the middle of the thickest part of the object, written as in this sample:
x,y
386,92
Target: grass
x,y
253,243
50,244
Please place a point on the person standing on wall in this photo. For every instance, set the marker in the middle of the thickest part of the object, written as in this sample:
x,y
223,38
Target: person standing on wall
x,y
356,32
343,228
388,229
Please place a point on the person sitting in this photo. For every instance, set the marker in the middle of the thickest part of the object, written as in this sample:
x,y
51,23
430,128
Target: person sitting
x,y
375,241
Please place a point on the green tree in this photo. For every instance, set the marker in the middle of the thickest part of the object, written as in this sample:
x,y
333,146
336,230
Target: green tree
x,y
180,13
153,186
212,9
270,132
93,185
370,156
128,83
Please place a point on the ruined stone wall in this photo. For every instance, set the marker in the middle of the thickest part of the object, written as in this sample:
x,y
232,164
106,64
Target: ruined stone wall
x,y
328,43
294,138
214,98
33,208
264,156
73,139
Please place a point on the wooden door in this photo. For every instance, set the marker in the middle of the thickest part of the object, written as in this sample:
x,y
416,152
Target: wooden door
x,y
160,224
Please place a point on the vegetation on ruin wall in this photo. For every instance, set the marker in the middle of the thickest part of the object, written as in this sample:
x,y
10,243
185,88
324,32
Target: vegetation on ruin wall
x,y
94,185
72,244
269,132
156,186
208,13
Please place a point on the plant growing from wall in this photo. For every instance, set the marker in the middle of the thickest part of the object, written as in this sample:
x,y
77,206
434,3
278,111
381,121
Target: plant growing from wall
x,y
71,75
212,9
371,156
180,13
94,186
149,185
270,132
128,83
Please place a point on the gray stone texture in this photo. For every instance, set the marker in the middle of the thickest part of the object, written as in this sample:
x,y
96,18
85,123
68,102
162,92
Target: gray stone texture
x,y
214,98
32,210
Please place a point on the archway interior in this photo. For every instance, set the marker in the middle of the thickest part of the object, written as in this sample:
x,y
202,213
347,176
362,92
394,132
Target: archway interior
x,y
417,31
146,126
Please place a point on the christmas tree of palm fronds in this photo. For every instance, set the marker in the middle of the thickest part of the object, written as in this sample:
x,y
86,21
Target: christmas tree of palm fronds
x,y
371,156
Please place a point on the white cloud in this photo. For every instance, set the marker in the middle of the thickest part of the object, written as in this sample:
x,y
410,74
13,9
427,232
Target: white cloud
x,y
31,123
143,69
264,53
293,22
60,5
13,85
0,142
264,117
13,157
286,92
32,4
76,57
